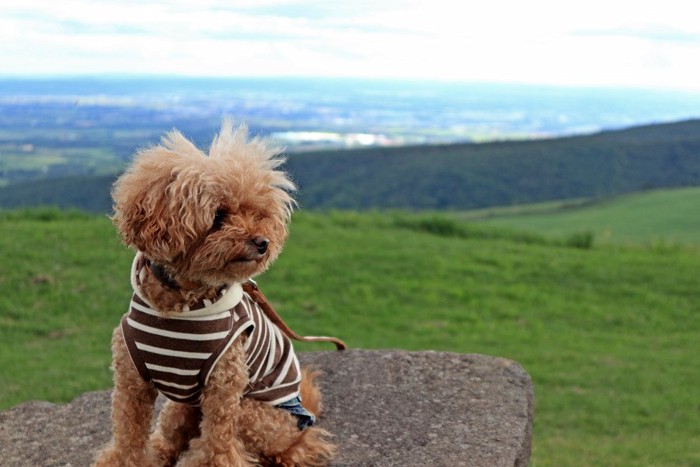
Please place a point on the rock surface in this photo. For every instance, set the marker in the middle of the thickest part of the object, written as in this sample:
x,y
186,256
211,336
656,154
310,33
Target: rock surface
x,y
386,408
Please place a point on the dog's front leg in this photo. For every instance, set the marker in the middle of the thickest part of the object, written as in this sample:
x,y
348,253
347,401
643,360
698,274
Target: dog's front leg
x,y
220,444
132,412
177,425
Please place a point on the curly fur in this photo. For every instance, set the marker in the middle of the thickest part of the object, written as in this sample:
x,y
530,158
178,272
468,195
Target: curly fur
x,y
201,218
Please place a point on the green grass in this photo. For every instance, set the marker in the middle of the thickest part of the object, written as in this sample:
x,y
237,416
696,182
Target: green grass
x,y
659,216
60,287
608,333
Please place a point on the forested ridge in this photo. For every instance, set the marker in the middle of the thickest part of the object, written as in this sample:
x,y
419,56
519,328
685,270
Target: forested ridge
x,y
451,176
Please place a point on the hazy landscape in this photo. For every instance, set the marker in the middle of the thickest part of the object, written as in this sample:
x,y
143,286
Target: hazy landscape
x,y
58,127
567,238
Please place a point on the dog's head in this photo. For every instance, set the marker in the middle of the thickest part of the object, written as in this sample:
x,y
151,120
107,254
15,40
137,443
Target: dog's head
x,y
214,219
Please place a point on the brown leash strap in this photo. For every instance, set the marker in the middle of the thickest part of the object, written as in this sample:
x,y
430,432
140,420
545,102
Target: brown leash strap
x,y
252,289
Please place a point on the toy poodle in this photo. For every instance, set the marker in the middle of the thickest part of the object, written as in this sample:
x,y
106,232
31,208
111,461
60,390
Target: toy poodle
x,y
198,329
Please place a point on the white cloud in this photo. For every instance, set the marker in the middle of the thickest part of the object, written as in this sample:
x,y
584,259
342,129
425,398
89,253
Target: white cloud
x,y
614,42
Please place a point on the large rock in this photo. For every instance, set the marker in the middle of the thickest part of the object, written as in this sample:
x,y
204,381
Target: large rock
x,y
386,408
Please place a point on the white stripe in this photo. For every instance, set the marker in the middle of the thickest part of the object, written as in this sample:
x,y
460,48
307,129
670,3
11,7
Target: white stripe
x,y
144,309
172,353
285,370
176,396
284,399
253,356
174,385
175,371
158,314
273,347
177,335
266,351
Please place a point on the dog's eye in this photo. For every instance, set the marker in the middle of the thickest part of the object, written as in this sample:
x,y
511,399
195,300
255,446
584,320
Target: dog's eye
x,y
219,218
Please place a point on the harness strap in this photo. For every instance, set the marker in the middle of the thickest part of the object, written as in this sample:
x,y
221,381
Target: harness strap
x,y
252,289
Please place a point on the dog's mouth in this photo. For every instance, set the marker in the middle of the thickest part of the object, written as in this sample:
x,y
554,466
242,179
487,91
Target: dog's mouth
x,y
247,259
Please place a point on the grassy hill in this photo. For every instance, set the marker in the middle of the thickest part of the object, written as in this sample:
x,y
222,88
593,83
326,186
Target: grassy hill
x,y
456,176
657,216
609,334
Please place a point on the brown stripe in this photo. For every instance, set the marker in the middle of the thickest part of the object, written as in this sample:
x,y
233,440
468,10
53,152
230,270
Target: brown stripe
x,y
163,342
173,362
273,394
185,380
181,325
135,298
178,391
192,400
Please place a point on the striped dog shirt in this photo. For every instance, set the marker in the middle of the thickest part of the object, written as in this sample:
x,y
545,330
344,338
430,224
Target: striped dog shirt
x,y
178,353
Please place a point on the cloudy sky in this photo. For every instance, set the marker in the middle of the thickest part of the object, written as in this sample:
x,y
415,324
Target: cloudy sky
x,y
593,42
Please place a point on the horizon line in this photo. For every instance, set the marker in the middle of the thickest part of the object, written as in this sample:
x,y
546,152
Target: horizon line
x,y
386,79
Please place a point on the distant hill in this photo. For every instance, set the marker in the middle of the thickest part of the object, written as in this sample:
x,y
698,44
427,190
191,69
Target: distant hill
x,y
468,176
454,176
88,193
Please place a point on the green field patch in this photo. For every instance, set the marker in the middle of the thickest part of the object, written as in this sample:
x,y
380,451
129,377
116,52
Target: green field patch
x,y
657,217
608,333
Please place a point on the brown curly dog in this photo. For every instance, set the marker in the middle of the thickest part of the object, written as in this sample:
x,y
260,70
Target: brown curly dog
x,y
203,226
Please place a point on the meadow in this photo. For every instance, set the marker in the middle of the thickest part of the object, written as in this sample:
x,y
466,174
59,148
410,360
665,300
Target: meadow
x,y
652,217
607,332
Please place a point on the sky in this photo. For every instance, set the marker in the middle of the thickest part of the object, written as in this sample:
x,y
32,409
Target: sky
x,y
631,43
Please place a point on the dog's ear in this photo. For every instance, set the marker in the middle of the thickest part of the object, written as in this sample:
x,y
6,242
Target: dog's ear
x,y
160,204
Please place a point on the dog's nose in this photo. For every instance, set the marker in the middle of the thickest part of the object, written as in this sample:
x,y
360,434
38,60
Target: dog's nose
x,y
260,243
